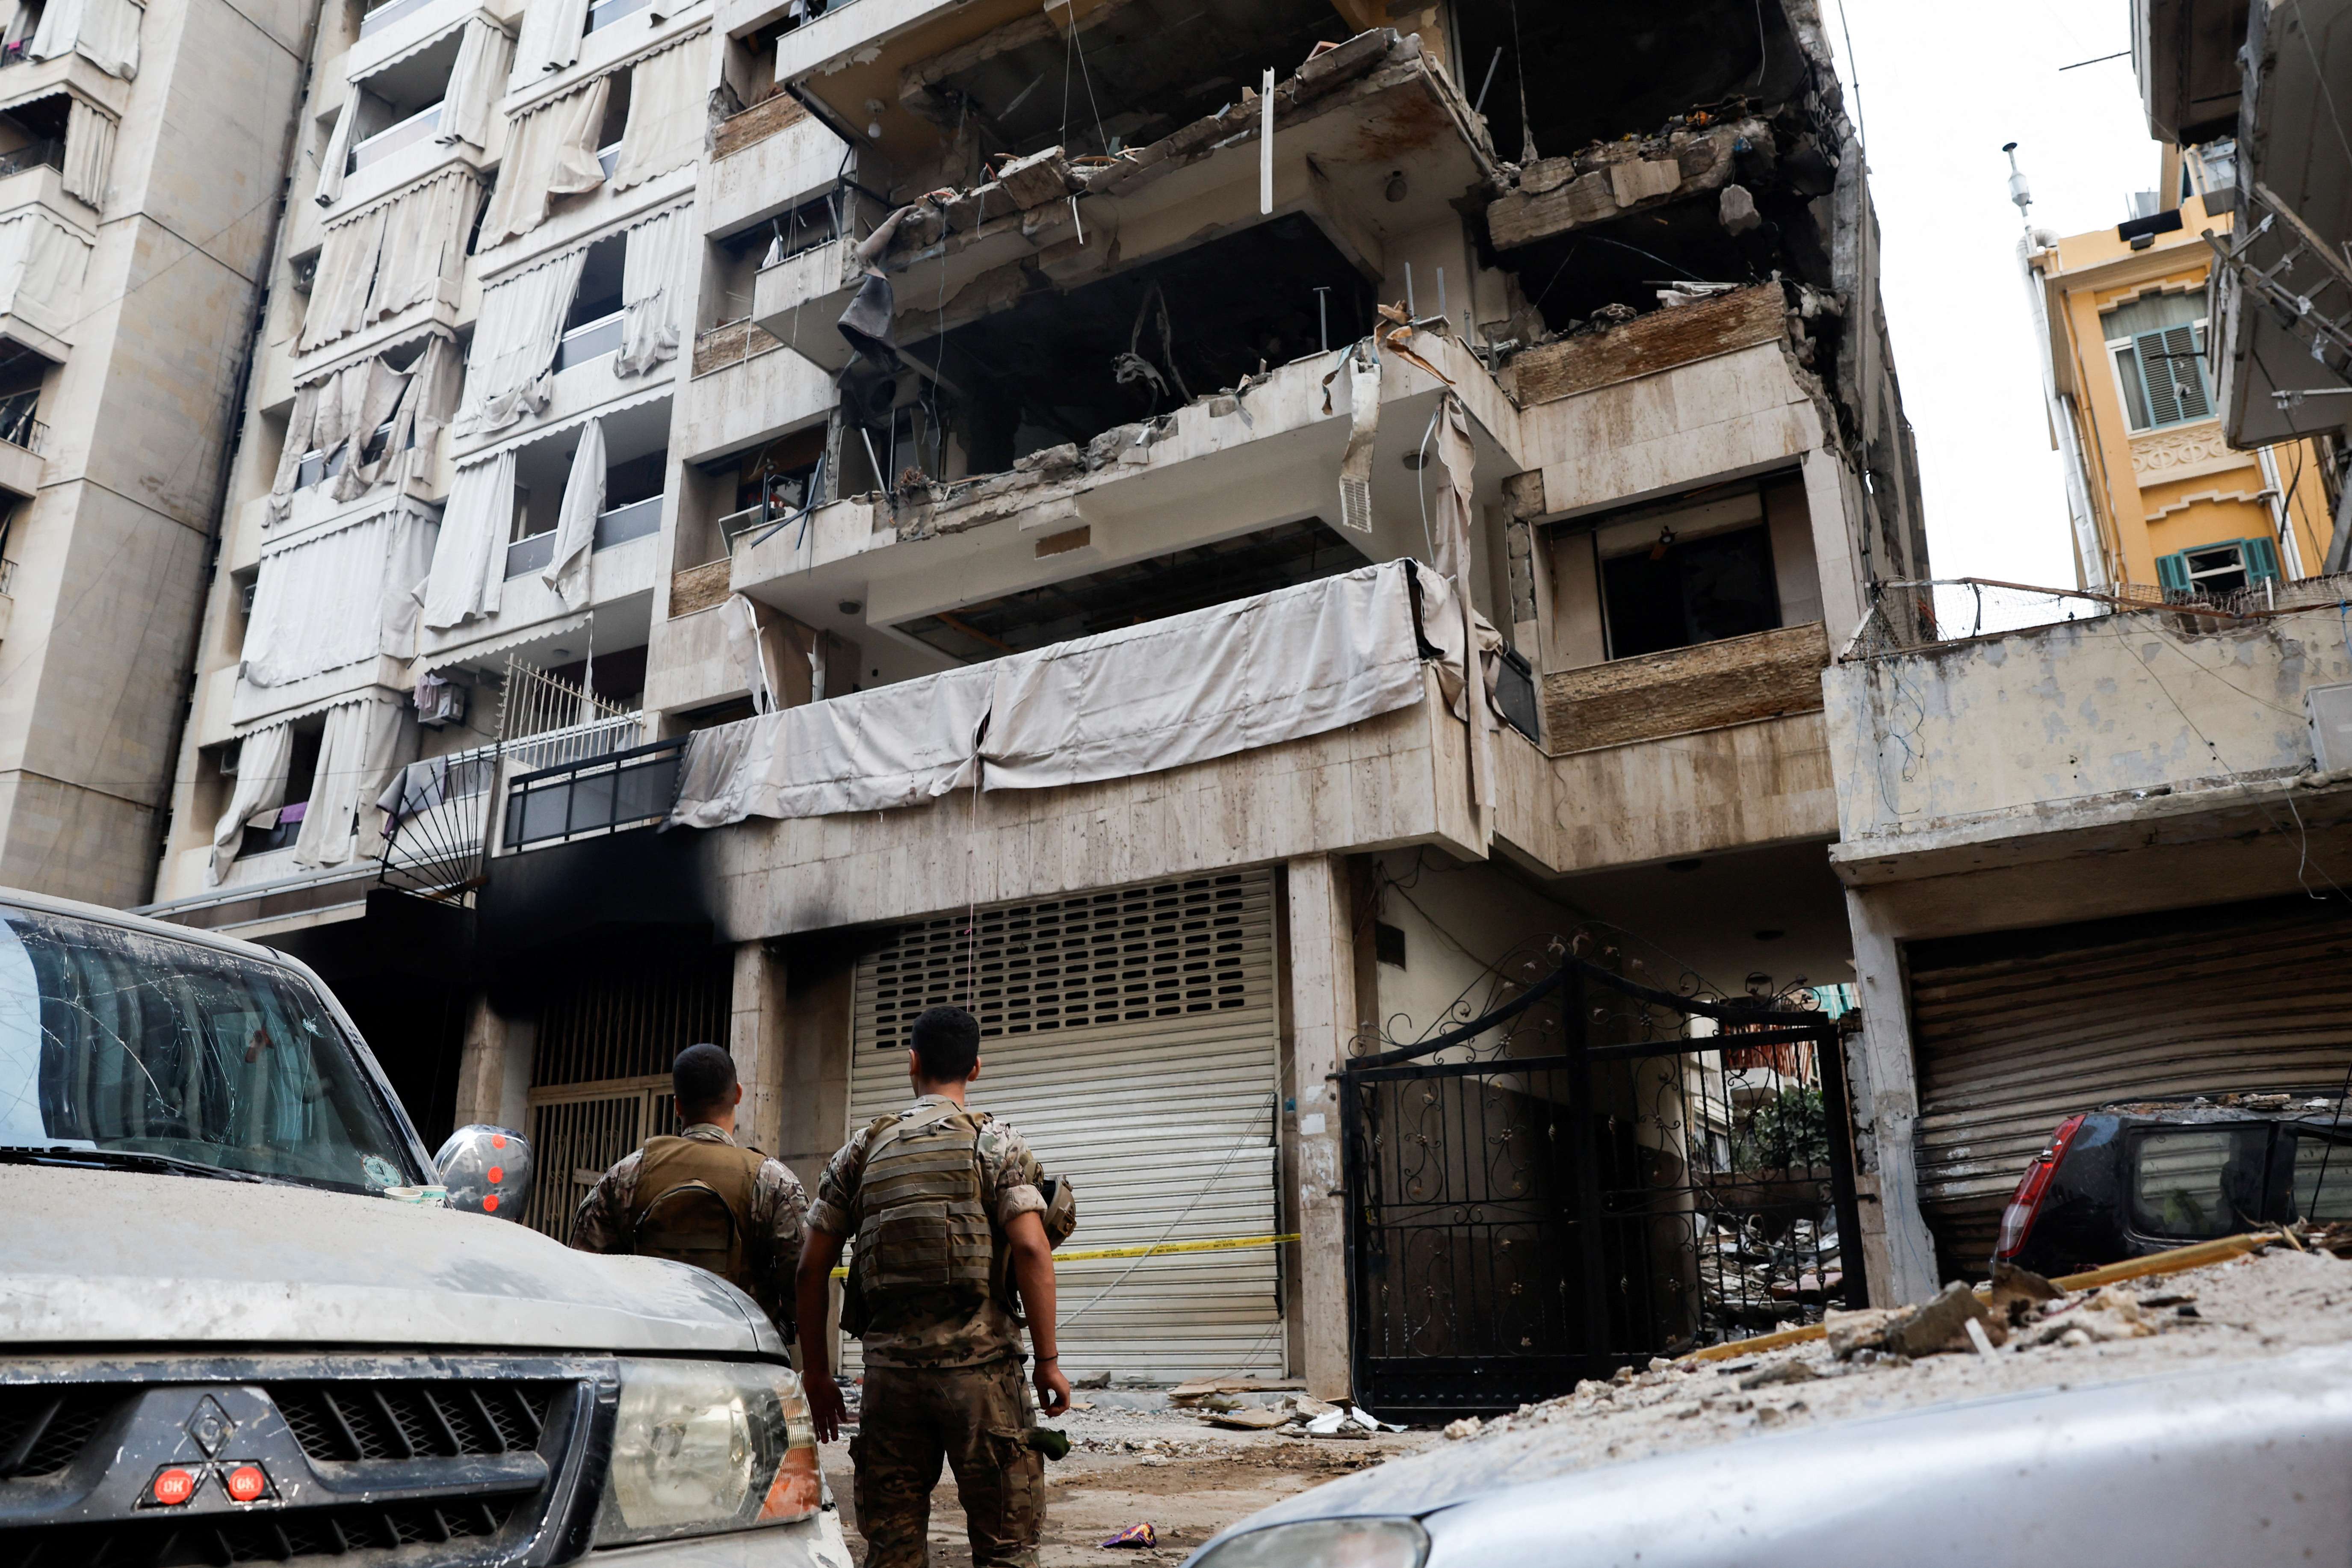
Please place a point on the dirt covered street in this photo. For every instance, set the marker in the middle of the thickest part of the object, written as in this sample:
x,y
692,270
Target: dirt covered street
x,y
1187,1479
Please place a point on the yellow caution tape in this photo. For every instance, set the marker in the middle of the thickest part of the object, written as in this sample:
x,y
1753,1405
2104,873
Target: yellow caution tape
x,y
1156,1249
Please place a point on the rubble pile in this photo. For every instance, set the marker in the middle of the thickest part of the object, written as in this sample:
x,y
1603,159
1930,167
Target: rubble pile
x,y
2027,1333
1753,1273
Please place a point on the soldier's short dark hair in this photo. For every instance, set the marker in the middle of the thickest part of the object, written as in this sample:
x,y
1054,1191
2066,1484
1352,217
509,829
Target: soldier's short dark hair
x,y
702,1075
947,1043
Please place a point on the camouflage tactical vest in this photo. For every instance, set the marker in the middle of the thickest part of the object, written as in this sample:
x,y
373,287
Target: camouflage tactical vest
x,y
923,1228
693,1203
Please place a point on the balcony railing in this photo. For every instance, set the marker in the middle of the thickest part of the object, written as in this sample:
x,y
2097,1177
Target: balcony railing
x,y
48,153
594,797
617,526
416,128
318,465
17,426
386,16
7,577
590,340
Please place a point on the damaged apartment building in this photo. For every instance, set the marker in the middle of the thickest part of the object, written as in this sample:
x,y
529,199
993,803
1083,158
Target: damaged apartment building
x,y
1214,533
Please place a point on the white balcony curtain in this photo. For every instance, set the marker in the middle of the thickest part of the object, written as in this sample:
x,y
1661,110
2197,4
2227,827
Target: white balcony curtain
x,y
575,521
41,267
264,759
669,108
344,279
358,756
651,287
299,425
511,365
338,599
337,155
379,392
469,108
423,256
1451,517
89,152
469,564
551,152
105,32
428,401
551,30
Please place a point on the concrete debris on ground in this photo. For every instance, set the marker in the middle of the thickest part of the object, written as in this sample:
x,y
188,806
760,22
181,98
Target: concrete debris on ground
x,y
1886,1360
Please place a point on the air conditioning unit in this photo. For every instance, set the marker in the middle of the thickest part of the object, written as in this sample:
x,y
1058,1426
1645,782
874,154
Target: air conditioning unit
x,y
2330,707
230,756
245,596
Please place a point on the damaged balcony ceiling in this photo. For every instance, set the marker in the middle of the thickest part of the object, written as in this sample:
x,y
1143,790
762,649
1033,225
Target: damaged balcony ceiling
x,y
1188,579
1344,126
1633,63
1146,67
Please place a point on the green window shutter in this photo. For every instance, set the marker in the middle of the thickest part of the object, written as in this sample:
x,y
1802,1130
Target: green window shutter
x,y
2172,572
2156,378
2187,357
2262,560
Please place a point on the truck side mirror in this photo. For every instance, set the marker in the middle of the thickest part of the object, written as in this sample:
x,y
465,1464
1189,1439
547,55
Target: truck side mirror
x,y
486,1170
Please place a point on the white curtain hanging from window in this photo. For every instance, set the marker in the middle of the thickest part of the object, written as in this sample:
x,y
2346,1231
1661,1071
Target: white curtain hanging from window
x,y
41,267
264,759
325,603
510,367
469,107
105,32
299,425
668,111
424,252
650,289
344,278
575,523
469,564
550,153
380,391
358,754
551,30
337,155
428,398
89,152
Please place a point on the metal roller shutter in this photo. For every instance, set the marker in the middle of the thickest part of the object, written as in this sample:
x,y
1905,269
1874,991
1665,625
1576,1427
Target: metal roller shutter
x,y
1131,1037
2014,1033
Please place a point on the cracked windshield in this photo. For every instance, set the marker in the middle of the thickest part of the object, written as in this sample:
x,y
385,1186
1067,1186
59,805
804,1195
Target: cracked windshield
x,y
115,1043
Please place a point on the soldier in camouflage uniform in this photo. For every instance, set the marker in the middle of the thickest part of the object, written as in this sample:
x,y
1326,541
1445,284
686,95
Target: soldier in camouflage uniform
x,y
954,1252
702,1198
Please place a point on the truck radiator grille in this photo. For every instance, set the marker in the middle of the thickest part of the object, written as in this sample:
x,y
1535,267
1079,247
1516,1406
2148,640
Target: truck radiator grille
x,y
42,1430
348,1420
409,1534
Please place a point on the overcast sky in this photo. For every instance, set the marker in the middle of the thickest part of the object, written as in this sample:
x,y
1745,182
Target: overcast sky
x,y
1941,89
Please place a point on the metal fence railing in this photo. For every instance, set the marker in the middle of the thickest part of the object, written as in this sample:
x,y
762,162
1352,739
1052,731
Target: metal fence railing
x,y
1907,616
594,796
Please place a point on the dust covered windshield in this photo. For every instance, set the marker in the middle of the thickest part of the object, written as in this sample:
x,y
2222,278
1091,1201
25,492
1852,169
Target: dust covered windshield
x,y
115,1043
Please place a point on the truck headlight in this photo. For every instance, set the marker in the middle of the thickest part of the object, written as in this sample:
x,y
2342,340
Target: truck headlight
x,y
702,1447
1323,1544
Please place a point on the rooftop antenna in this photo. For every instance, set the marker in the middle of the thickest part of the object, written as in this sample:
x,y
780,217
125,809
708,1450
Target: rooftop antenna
x,y
2019,191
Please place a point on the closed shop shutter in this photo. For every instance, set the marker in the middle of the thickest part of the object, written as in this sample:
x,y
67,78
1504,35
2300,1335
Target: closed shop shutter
x,y
2015,1033
1130,1035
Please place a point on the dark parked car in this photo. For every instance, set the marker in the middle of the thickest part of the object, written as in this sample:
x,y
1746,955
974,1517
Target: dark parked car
x,y
2126,1180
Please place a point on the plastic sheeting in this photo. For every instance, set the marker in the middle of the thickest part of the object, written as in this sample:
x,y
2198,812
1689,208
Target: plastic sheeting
x,y
338,598
668,112
575,518
469,107
104,32
650,290
1257,672
551,152
511,365
264,759
358,754
469,564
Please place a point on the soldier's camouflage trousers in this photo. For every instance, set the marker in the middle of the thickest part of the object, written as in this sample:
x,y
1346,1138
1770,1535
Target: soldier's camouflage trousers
x,y
977,1419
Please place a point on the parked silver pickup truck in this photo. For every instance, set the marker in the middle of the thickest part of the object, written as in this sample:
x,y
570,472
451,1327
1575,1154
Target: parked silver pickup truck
x,y
238,1323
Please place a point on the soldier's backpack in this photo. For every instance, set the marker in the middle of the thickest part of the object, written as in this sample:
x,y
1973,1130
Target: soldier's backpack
x,y
693,1205
923,1226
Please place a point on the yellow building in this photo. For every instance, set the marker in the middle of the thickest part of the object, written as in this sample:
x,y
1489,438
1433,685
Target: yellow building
x,y
2159,499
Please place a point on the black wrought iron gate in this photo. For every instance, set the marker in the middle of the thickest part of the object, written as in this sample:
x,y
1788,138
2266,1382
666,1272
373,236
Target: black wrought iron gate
x,y
1593,1173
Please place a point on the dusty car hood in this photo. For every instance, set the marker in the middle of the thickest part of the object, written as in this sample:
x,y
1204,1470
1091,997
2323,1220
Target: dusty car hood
x,y
110,1257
